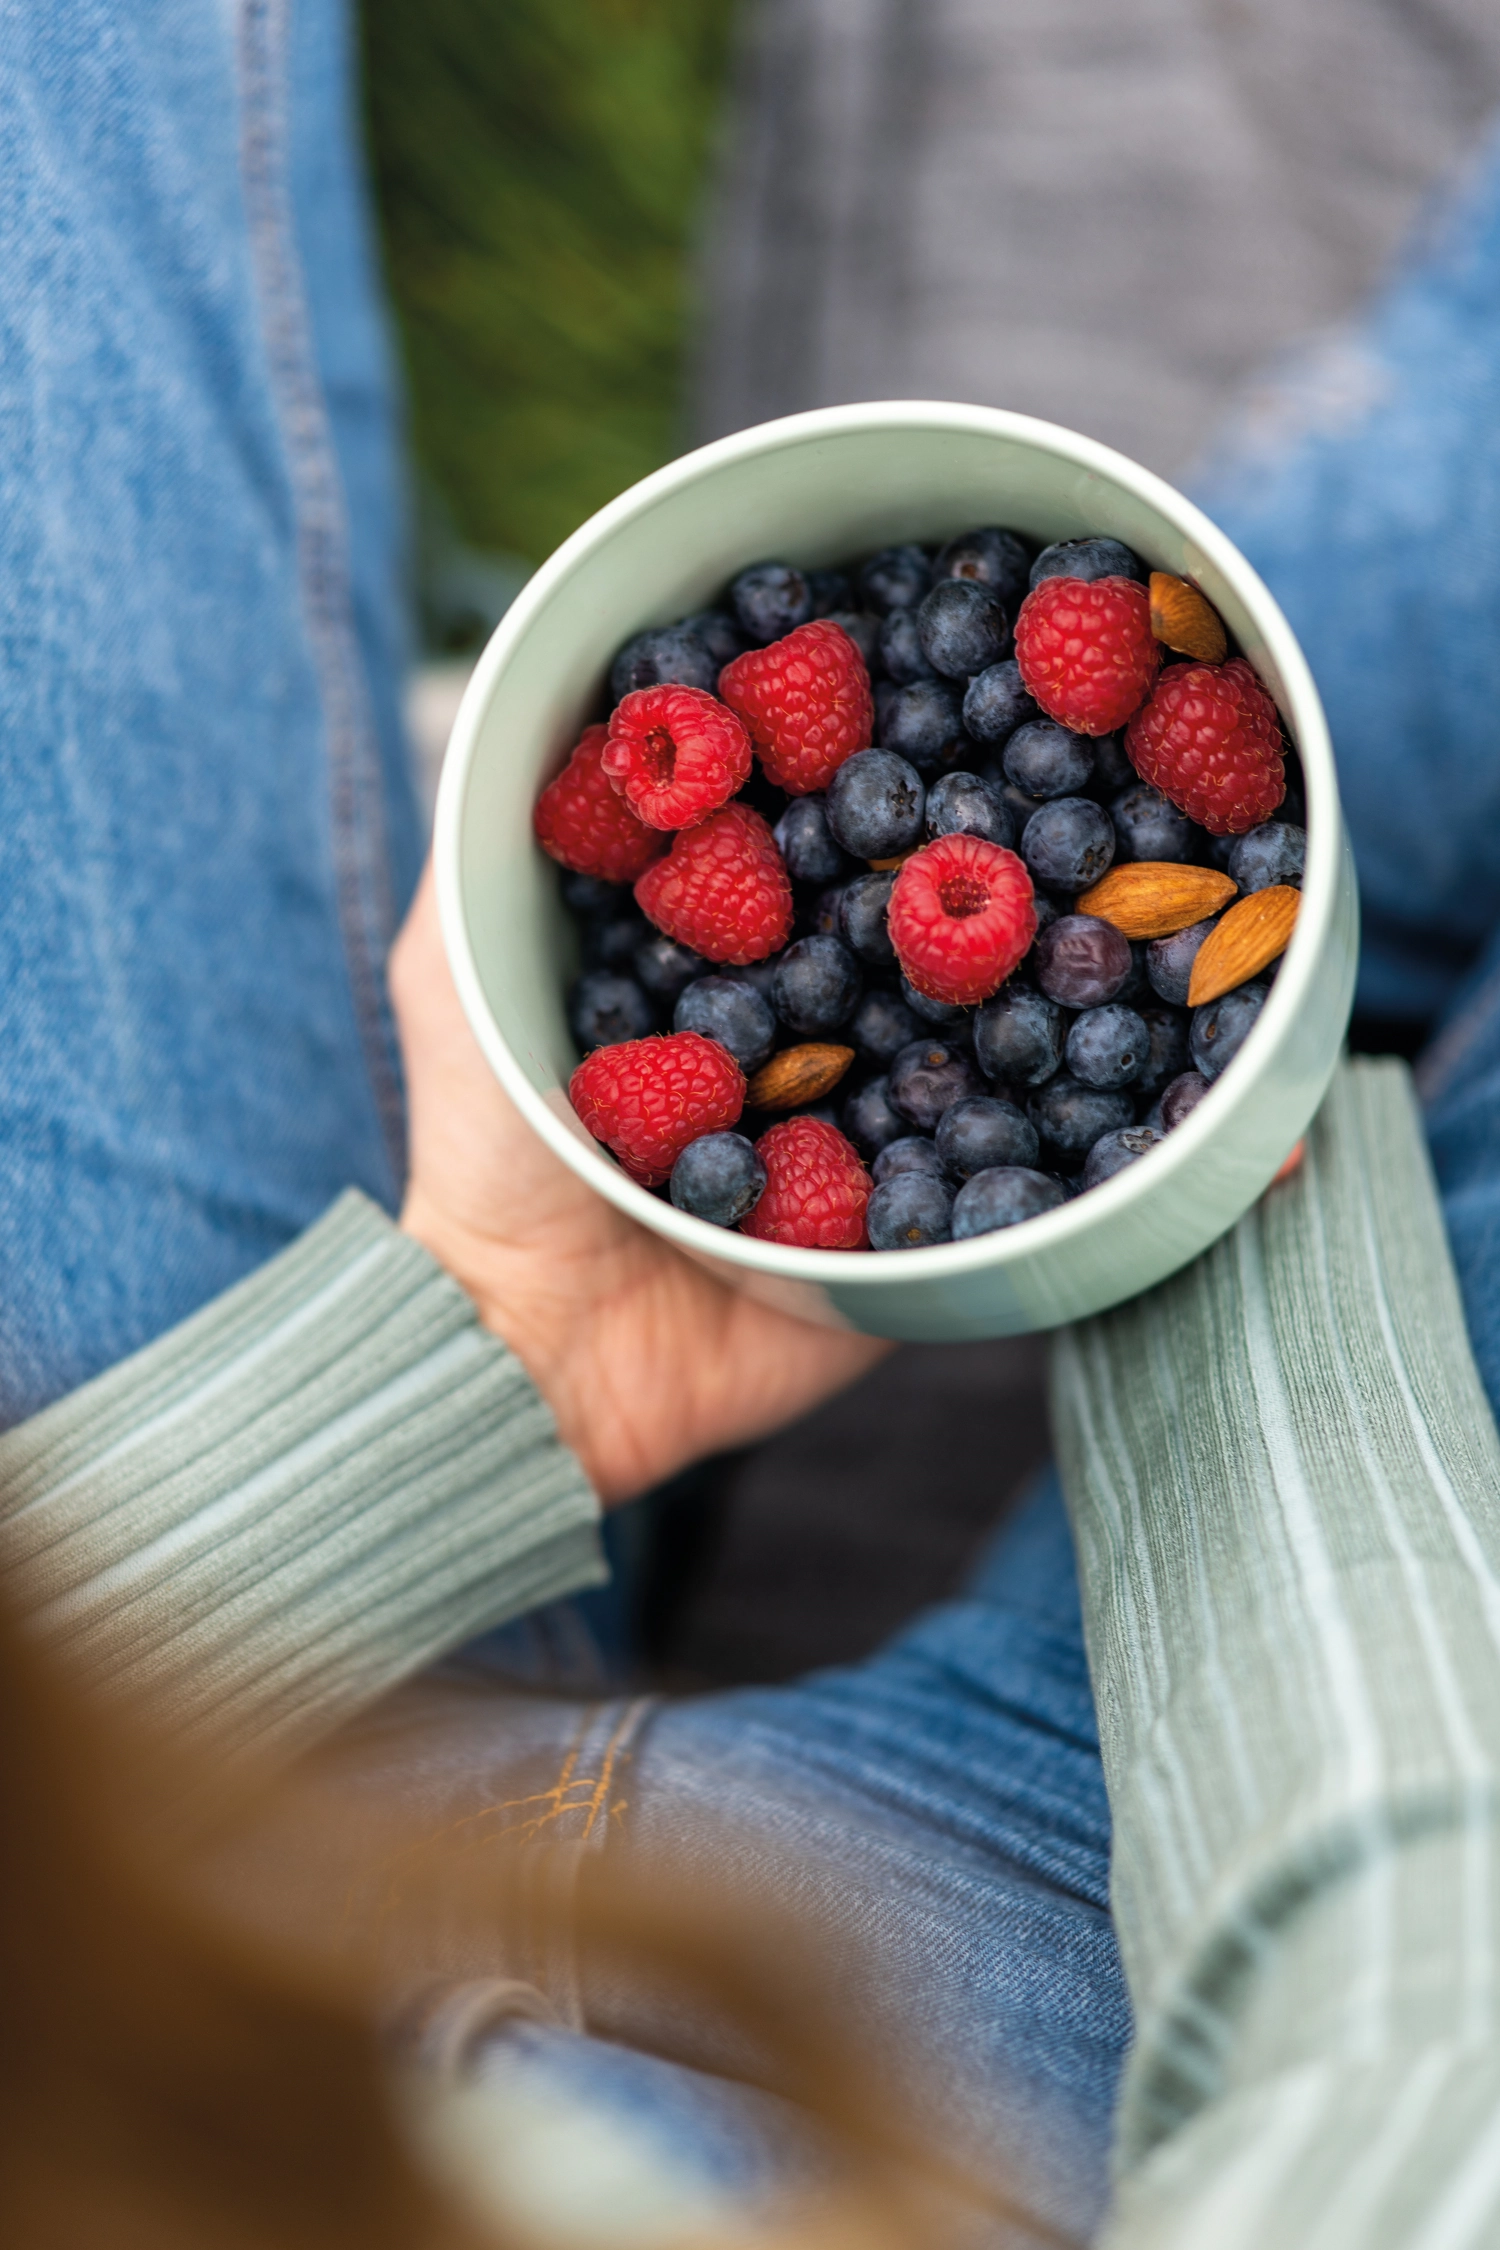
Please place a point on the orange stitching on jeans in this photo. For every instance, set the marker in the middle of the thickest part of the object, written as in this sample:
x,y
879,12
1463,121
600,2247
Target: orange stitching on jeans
x,y
556,1800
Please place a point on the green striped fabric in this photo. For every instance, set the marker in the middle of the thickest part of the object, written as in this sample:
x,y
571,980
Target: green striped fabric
x,y
323,1480
1284,1479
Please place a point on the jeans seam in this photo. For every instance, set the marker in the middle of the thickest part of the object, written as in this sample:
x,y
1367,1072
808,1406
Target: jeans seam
x,y
362,876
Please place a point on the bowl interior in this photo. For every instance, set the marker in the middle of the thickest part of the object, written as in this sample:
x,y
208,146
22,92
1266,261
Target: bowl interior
x,y
817,489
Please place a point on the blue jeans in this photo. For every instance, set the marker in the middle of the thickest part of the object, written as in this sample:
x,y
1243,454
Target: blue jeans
x,y
935,1814
210,835
1364,485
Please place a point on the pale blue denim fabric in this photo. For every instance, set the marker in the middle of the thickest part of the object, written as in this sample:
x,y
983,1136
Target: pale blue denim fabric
x,y
1365,487
936,1814
209,832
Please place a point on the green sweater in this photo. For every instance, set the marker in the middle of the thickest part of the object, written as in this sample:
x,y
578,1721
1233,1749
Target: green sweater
x,y
325,1479
1285,1485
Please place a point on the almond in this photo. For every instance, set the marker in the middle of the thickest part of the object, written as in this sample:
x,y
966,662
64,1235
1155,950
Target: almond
x,y
1153,897
797,1075
1185,621
1248,939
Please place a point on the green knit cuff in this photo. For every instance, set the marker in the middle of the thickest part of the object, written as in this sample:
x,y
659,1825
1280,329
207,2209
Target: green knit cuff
x,y
323,1480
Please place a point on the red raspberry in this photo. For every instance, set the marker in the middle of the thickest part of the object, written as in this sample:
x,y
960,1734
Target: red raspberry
x,y
806,700
723,889
816,1188
1086,650
961,915
675,754
1210,739
647,1098
580,820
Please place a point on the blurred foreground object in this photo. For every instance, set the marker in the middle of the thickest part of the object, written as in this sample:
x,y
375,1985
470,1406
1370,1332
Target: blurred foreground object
x,y
1107,218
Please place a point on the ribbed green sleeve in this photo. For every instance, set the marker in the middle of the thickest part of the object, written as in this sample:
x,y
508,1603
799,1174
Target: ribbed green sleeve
x,y
327,1477
1285,1484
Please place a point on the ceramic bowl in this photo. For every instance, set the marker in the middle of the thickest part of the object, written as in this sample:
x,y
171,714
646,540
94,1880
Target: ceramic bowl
x,y
816,489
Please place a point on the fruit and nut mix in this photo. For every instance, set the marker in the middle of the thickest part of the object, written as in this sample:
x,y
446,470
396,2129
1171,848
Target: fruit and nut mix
x,y
916,900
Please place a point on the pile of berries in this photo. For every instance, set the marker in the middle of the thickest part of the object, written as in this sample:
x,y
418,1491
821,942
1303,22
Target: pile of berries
x,y
918,899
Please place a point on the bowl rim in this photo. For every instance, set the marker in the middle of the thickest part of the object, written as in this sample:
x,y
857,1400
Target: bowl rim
x,y
1097,1206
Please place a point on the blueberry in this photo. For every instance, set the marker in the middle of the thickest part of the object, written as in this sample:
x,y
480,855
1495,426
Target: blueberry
x,y
732,1013
1046,760
828,590
962,804
668,654
817,986
863,628
884,693
1047,912
1069,843
915,1152
1113,1151
1168,1032
664,966
1169,961
1180,1098
1018,1036
955,1021
928,1077
1221,851
996,558
1108,1046
962,627
802,835
1148,826
863,918
1088,558
718,1178
824,915
826,1113
1003,1198
771,599
896,578
604,1008
1022,807
882,1025
870,1120
611,944
759,975
1081,961
1136,989
874,805
981,1132
922,723
901,651
1072,1117
719,633
996,702
1112,769
594,900
909,1212
1220,1029
1276,852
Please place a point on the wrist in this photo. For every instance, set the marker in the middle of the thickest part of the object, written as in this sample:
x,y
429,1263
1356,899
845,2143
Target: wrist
x,y
508,1288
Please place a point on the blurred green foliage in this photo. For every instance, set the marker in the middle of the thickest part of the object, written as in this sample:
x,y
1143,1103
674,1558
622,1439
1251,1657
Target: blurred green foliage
x,y
539,169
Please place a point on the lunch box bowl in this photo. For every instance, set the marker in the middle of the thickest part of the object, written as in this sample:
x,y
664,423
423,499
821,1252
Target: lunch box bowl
x,y
817,489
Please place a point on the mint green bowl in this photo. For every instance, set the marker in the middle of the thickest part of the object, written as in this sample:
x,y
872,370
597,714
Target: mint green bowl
x,y
816,489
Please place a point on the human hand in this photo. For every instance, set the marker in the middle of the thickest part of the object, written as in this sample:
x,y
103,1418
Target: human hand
x,y
647,1360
